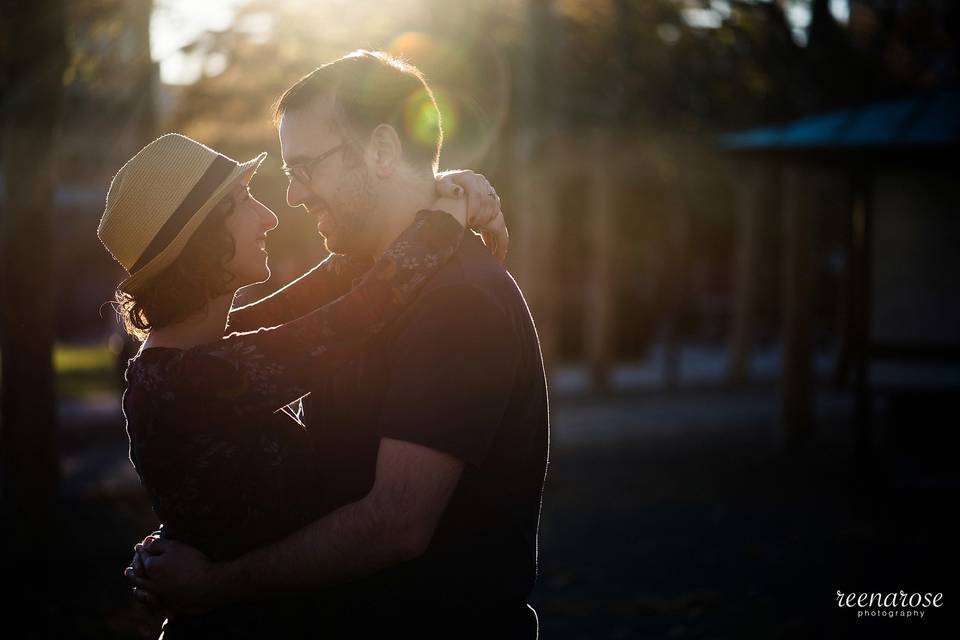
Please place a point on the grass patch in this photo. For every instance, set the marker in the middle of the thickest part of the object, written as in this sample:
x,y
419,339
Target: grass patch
x,y
68,359
84,370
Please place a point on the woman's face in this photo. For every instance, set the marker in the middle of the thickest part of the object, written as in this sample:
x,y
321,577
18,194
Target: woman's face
x,y
248,224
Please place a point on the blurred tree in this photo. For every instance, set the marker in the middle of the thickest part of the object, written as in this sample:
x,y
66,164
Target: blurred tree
x,y
109,87
34,57
269,45
109,113
662,74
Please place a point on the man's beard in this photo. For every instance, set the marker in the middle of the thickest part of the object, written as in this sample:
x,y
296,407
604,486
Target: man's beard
x,y
352,214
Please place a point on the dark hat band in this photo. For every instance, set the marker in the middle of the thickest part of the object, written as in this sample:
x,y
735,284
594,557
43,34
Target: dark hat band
x,y
212,178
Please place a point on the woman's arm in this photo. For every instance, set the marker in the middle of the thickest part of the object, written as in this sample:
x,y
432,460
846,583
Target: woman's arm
x,y
269,368
324,283
337,273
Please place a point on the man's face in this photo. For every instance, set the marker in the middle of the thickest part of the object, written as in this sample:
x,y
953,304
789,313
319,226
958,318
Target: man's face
x,y
340,191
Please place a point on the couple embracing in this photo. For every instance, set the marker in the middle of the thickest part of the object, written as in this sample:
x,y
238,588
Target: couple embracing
x,y
361,453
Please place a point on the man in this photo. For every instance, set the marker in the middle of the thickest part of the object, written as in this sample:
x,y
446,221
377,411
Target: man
x,y
441,536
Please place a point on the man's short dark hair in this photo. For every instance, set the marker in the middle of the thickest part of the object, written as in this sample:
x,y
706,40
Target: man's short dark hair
x,y
371,88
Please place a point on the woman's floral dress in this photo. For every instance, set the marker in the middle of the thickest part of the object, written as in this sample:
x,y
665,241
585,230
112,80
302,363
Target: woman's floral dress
x,y
227,467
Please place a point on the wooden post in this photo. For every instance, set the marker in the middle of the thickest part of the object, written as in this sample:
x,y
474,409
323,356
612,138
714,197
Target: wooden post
x,y
523,217
543,244
532,257
861,276
545,234
601,254
677,290
748,189
798,276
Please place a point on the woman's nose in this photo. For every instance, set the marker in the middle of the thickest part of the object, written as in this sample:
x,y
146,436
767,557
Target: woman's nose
x,y
269,218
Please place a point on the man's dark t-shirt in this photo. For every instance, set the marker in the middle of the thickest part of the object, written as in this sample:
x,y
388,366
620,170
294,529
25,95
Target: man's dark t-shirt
x,y
461,372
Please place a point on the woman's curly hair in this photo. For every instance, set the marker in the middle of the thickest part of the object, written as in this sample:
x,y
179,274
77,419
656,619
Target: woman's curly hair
x,y
197,275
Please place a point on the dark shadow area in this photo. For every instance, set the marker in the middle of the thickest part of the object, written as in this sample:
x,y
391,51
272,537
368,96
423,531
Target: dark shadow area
x,y
681,518
718,535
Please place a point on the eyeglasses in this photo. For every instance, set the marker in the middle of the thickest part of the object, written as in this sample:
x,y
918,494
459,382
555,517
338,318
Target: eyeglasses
x,y
301,171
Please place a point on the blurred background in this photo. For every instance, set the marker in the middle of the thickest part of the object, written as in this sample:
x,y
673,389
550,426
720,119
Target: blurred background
x,y
735,224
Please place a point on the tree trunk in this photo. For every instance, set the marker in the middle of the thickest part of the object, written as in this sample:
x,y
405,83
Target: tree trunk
x,y
34,61
798,299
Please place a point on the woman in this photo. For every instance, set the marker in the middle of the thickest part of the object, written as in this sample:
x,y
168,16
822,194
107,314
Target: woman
x,y
224,466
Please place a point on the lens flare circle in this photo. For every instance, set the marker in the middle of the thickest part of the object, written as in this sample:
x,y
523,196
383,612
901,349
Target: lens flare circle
x,y
470,81
420,118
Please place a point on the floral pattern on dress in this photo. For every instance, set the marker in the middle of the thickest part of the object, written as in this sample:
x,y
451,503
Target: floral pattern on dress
x,y
226,469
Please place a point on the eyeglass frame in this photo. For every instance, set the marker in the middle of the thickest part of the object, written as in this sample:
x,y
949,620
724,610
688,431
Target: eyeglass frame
x,y
301,170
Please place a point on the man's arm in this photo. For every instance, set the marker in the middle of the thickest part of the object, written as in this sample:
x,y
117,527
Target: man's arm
x,y
392,524
451,375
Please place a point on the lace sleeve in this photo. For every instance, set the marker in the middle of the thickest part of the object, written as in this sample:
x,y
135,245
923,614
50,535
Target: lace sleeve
x,y
269,368
324,283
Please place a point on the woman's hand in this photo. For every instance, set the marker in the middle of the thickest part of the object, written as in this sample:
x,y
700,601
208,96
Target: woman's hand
x,y
168,574
454,206
483,211
136,572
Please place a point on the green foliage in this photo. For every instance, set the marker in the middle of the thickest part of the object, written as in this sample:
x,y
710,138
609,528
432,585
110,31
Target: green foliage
x,y
633,62
84,370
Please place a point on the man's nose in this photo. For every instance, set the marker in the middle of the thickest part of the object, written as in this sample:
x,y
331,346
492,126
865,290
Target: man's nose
x,y
296,193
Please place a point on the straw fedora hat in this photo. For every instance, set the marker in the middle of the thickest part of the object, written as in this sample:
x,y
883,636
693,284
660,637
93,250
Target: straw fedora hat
x,y
159,198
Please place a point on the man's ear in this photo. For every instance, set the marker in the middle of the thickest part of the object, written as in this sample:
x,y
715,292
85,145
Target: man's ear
x,y
385,152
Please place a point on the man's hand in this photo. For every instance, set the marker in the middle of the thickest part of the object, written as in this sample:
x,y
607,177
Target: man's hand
x,y
483,207
173,576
